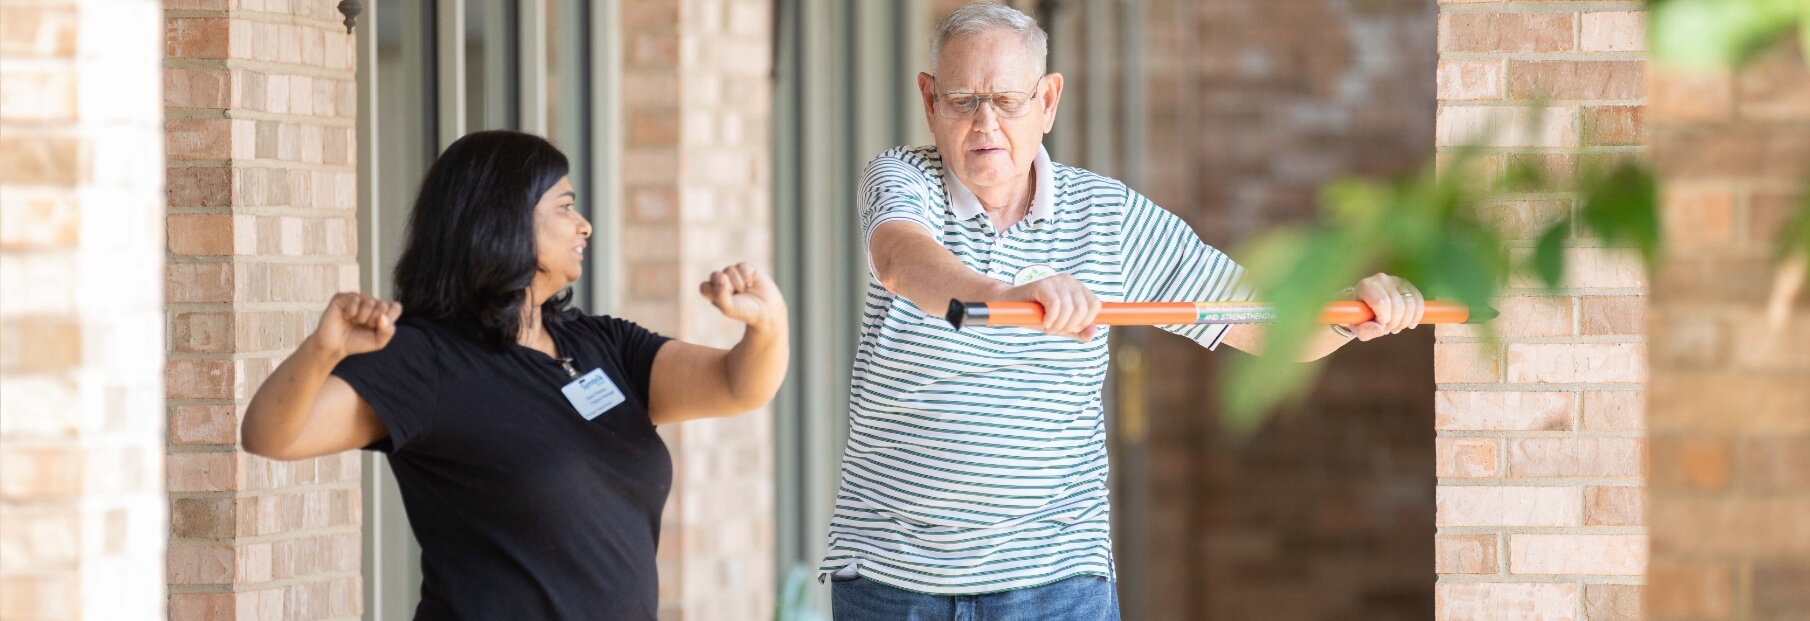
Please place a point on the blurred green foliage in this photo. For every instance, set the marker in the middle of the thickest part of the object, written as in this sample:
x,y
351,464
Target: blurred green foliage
x,y
1430,228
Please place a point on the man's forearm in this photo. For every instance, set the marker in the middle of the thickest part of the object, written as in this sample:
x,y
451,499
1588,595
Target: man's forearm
x,y
914,266
1249,337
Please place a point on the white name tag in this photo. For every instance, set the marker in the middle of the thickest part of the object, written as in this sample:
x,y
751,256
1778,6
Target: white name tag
x,y
593,394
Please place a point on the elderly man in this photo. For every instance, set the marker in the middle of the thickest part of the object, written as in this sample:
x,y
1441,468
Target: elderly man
x,y
974,480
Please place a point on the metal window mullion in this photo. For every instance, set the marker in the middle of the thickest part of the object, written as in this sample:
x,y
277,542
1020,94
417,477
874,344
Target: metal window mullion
x,y
1099,88
531,66
1065,138
605,83
500,42
574,135
1133,101
376,562
822,83
449,67
912,25
791,541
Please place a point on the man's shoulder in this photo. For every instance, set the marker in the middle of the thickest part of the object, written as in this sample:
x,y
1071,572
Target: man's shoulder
x,y
1075,185
922,160
1075,175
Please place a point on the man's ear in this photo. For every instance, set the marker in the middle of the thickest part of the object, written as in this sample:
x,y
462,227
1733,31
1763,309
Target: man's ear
x,y
1052,99
927,91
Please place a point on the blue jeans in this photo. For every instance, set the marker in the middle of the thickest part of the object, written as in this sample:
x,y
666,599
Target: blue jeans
x,y
1081,598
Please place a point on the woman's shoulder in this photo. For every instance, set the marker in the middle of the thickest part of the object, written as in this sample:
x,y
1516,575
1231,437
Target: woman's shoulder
x,y
606,326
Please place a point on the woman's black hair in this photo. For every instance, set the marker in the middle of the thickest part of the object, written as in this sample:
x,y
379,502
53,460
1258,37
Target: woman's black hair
x,y
471,249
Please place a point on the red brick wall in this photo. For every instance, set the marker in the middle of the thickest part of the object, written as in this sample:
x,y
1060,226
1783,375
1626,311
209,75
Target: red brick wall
x,y
1326,513
262,197
1730,407
1541,448
81,389
696,169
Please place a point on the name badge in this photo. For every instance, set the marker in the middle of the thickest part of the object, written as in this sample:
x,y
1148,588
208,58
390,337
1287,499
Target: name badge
x,y
1031,274
593,394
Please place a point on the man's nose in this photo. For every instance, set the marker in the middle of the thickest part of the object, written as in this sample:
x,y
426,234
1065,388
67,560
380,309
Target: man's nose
x,y
986,119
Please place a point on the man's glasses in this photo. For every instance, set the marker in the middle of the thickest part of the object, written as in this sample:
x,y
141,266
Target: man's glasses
x,y
1007,104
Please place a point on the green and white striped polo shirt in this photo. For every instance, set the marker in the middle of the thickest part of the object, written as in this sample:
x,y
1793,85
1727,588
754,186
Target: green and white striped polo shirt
x,y
976,460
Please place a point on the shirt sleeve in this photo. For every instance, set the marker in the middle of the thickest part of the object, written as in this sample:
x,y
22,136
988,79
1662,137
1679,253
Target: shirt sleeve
x,y
399,383
1165,261
895,188
635,348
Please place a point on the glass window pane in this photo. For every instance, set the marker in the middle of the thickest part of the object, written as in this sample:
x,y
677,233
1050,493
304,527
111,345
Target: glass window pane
x,y
492,77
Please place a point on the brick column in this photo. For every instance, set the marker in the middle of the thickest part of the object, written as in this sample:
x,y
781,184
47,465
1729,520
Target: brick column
x,y
261,195
81,496
1731,408
1541,443
697,96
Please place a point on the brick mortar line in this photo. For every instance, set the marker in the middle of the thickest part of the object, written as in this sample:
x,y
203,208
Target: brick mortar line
x,y
287,211
234,307
63,191
1628,483
1742,187
273,354
1492,150
1550,6
1633,481
242,114
201,448
282,537
1580,579
208,402
209,589
1576,242
75,130
1548,340
1513,434
1577,56
1534,103
1577,579
1732,123
59,63
351,485
1505,531
1559,293
249,259
1506,387
261,66
261,163
266,17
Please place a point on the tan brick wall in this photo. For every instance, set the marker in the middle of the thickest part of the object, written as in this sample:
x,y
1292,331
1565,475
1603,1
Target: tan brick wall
x,y
696,169
81,392
1730,407
1541,437
262,195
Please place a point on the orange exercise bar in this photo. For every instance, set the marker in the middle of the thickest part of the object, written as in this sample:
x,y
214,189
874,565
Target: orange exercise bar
x,y
1185,313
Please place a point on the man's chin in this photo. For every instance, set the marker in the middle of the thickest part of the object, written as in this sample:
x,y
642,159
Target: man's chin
x,y
987,174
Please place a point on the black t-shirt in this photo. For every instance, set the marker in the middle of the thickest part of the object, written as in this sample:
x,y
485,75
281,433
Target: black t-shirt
x,y
524,509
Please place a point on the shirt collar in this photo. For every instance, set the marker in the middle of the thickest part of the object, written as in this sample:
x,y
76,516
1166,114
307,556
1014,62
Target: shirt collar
x,y
1043,202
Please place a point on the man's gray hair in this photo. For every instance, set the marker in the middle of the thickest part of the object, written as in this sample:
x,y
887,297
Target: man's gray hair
x,y
982,17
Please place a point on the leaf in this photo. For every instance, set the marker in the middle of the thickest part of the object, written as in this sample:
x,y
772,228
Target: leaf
x,y
1621,207
1703,33
1549,255
1796,237
1297,271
